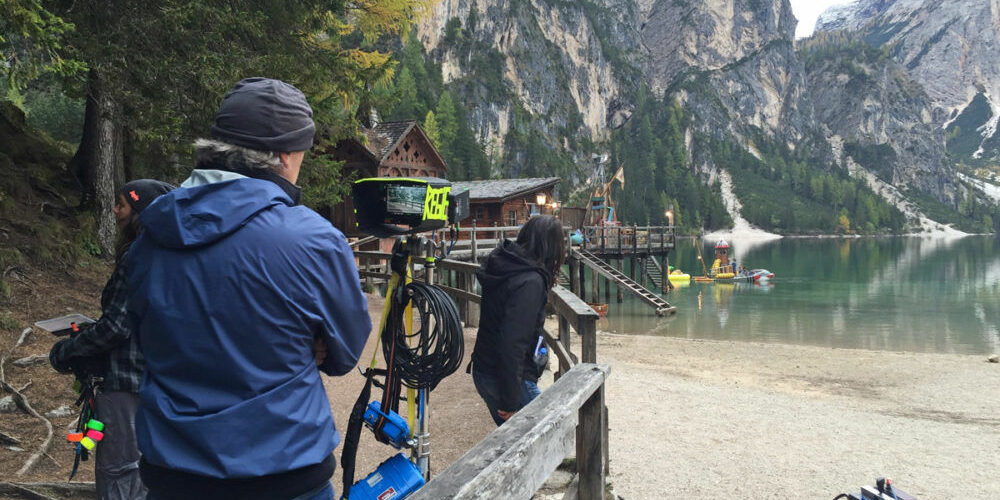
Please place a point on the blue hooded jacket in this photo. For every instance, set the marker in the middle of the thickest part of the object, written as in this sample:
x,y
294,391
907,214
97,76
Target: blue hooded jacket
x,y
230,283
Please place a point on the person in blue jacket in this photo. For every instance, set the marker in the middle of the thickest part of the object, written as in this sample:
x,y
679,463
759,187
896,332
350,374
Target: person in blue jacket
x,y
238,295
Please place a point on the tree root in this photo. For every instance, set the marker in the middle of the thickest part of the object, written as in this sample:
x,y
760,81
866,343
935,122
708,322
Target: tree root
x,y
22,492
8,440
23,338
23,404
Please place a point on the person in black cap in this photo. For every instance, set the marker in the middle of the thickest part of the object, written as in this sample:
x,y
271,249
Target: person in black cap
x,y
108,348
238,295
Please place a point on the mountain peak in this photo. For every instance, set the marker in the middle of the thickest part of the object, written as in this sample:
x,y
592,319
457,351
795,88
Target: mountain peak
x,y
851,16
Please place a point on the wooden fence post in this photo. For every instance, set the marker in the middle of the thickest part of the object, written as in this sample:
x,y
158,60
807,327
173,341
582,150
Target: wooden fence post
x,y
463,304
591,448
471,309
367,264
587,328
566,341
475,254
574,276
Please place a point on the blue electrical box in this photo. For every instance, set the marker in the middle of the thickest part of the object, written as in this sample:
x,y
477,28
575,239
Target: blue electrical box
x,y
395,428
394,479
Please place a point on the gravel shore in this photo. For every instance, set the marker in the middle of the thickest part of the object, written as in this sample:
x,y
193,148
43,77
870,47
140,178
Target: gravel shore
x,y
705,419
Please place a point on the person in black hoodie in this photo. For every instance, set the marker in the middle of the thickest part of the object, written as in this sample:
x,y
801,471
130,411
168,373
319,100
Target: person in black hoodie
x,y
516,279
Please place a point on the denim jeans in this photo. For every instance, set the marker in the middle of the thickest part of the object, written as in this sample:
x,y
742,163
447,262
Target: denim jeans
x,y
116,470
489,389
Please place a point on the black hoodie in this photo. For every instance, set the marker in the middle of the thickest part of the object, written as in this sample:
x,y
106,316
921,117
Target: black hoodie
x,y
515,290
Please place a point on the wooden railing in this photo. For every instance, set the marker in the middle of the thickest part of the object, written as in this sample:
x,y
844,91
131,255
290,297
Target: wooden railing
x,y
473,242
516,459
623,240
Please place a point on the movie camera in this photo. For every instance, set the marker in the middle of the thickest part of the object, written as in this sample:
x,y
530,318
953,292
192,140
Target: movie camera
x,y
418,354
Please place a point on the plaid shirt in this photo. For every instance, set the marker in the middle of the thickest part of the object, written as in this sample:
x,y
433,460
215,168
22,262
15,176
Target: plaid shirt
x,y
110,336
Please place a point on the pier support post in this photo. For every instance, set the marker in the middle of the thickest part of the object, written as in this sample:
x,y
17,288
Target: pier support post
x,y
665,274
620,293
595,288
642,272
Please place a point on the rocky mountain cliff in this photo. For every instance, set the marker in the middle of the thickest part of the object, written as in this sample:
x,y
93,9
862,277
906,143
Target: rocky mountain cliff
x,y
569,73
950,49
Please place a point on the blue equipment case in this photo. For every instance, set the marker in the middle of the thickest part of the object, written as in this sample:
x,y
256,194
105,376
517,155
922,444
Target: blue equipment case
x,y
395,428
394,479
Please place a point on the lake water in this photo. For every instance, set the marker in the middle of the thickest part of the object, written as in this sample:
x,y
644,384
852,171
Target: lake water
x,y
896,293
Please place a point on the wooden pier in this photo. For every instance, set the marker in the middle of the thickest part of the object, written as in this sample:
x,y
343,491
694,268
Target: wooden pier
x,y
645,248
599,266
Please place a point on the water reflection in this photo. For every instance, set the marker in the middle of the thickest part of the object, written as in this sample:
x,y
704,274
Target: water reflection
x,y
901,294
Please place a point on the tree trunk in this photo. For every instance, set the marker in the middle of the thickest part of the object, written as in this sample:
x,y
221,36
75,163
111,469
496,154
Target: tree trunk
x,y
99,162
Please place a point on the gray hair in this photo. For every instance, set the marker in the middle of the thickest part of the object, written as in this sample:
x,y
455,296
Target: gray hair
x,y
209,151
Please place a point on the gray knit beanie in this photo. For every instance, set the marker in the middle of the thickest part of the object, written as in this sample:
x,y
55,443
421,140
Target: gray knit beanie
x,y
265,115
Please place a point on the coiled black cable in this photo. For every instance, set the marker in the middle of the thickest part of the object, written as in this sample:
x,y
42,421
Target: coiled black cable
x,y
439,346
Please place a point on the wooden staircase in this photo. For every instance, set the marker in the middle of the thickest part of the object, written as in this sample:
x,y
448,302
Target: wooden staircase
x,y
620,279
356,244
654,272
563,279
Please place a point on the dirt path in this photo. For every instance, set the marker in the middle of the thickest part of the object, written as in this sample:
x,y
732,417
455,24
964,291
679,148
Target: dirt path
x,y
701,419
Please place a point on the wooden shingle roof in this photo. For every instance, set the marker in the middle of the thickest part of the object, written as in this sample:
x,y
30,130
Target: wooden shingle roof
x,y
504,189
386,137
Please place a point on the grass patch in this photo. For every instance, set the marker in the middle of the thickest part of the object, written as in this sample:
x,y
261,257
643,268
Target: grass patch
x,y
8,322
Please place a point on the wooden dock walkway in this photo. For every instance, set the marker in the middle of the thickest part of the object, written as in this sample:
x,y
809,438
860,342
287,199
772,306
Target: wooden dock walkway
x,y
620,279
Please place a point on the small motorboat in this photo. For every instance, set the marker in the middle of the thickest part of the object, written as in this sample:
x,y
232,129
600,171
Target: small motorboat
x,y
760,275
733,278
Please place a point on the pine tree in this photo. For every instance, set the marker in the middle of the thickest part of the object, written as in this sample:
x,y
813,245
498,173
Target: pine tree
x,y
445,112
431,129
406,93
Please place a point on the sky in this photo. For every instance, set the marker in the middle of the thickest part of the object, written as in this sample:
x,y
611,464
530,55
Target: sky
x,y
806,11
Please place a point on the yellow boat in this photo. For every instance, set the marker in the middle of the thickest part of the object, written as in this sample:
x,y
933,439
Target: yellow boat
x,y
678,277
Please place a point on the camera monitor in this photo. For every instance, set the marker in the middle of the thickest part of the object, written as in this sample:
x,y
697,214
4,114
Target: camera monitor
x,y
392,206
